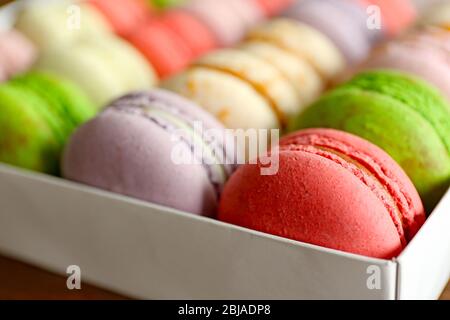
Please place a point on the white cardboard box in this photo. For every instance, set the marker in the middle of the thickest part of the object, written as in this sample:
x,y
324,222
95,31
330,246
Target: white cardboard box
x,y
148,251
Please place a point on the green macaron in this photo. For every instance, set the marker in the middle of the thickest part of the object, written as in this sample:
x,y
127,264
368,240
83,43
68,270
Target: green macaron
x,y
405,116
39,112
163,4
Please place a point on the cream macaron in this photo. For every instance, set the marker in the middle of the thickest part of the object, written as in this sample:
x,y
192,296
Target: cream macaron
x,y
55,23
104,68
281,67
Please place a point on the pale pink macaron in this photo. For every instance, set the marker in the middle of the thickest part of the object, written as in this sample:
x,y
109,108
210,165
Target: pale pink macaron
x,y
17,53
424,53
228,20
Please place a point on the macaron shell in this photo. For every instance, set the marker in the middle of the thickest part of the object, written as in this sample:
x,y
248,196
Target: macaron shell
x,y
304,41
39,112
346,31
375,162
132,68
57,28
66,100
162,47
249,14
233,101
164,4
265,78
123,15
17,53
3,74
201,122
86,69
301,75
308,200
423,54
437,15
196,35
32,146
99,155
226,25
272,7
104,69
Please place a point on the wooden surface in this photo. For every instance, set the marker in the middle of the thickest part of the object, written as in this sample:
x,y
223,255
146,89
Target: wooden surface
x,y
21,281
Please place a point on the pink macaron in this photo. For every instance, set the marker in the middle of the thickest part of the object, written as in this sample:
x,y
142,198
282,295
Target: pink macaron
x,y
195,34
164,49
272,7
227,20
332,189
17,54
424,53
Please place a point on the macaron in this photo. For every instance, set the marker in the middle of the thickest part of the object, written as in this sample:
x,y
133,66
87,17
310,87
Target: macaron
x,y
17,54
227,20
302,76
425,4
403,115
396,15
424,53
163,48
272,7
104,68
194,33
304,41
56,23
265,81
125,16
164,4
437,13
179,152
343,22
332,189
39,112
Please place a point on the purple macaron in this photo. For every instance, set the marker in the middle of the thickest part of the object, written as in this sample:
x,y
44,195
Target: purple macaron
x,y
154,146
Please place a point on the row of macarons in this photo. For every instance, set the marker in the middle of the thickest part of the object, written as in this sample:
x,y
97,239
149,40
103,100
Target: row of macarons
x,y
402,115
168,42
362,185
358,171
169,39
106,66
330,188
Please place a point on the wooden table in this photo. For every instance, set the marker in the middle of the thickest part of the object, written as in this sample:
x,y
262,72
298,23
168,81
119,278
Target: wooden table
x,y
21,281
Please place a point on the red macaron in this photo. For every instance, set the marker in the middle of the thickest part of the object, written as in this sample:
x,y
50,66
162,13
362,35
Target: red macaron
x,y
166,51
195,34
273,7
125,16
332,189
